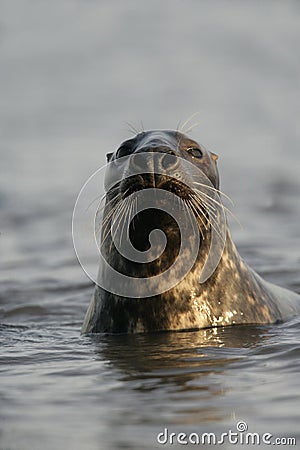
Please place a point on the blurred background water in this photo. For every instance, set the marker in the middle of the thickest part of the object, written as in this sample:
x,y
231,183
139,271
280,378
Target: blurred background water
x,y
72,73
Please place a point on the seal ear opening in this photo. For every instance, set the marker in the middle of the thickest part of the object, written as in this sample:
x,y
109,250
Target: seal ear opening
x,y
214,156
108,156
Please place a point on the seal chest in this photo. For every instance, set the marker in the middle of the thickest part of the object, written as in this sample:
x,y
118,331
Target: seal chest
x,y
169,262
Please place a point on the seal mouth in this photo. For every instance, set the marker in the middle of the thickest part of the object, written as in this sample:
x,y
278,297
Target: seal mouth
x,y
150,181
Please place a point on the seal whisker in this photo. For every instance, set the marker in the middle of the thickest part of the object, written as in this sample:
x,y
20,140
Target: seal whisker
x,y
206,207
199,211
130,210
102,224
107,220
126,210
196,213
101,196
113,201
135,129
182,128
213,218
123,210
212,210
191,210
213,222
133,213
107,202
178,128
136,216
191,127
119,214
218,191
131,128
219,203
205,201
118,210
103,229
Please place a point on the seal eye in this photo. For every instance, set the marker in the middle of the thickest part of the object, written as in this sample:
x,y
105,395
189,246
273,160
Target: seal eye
x,y
195,152
124,150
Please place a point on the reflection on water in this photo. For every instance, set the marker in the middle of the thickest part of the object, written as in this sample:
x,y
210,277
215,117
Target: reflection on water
x,y
126,389
180,367
176,354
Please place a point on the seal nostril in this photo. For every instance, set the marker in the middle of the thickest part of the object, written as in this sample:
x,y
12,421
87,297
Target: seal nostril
x,y
139,162
169,161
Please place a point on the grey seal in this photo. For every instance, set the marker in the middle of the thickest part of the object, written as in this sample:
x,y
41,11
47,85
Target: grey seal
x,y
233,294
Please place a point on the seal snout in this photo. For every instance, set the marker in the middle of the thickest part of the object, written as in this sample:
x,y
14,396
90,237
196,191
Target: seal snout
x,y
155,167
154,159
